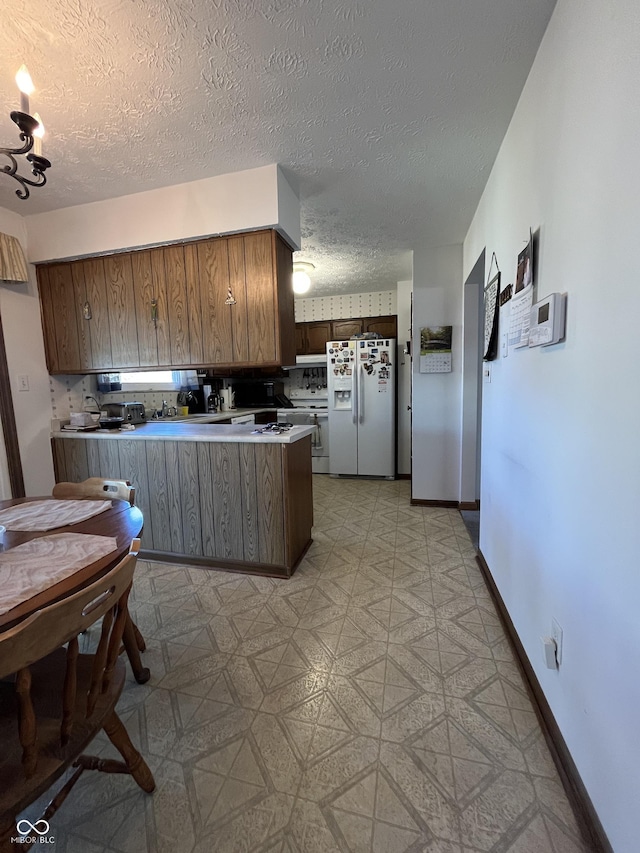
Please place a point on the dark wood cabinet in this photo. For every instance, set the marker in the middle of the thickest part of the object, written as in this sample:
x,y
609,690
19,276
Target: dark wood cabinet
x,y
312,337
225,301
316,335
344,330
387,327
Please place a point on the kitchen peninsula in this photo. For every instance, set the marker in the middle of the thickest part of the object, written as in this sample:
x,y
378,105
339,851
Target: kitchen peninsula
x,y
212,495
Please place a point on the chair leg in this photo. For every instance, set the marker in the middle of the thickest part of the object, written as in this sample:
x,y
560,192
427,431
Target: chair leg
x,y
141,673
138,767
142,646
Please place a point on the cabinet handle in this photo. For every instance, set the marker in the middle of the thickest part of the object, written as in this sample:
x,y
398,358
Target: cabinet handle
x,y
86,311
154,312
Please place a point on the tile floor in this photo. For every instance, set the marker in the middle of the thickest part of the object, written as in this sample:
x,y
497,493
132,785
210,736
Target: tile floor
x,y
370,703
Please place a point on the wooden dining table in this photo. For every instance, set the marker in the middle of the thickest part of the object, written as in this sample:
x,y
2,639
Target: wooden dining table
x,y
121,521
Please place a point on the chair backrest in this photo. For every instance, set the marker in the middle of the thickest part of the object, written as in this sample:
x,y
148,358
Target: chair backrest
x,y
97,488
46,630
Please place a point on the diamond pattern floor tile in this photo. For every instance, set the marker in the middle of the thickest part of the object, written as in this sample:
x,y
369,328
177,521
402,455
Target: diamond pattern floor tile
x,y
370,704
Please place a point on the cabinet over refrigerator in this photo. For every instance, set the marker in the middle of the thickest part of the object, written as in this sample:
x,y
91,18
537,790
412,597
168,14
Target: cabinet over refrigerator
x,y
362,407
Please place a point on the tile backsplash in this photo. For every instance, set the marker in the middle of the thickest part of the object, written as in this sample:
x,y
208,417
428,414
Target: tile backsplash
x,y
69,393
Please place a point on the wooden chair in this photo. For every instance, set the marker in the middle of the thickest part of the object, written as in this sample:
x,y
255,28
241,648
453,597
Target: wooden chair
x,y
102,489
96,488
57,699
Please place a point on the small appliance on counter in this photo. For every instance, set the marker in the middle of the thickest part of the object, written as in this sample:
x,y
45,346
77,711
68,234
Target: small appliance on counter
x,y
193,400
251,395
129,413
227,399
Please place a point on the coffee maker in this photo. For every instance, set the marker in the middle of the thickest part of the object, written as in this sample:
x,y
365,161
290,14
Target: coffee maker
x,y
194,400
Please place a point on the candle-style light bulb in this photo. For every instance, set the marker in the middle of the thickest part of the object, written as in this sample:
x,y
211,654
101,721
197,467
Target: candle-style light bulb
x,y
38,135
25,84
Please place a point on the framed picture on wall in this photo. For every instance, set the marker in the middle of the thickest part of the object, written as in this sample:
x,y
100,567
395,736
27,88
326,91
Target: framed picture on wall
x,y
491,316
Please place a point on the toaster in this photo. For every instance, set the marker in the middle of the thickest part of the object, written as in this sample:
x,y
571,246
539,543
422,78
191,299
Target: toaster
x,y
131,413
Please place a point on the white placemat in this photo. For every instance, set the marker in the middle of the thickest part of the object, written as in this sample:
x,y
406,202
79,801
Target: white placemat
x,y
45,515
34,566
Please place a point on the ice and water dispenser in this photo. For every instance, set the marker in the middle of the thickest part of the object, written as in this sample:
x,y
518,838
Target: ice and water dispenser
x,y
341,366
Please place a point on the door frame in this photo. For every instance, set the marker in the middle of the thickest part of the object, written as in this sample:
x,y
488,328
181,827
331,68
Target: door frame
x,y
8,420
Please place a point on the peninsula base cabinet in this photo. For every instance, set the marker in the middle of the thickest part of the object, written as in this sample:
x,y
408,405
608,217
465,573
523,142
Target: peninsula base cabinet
x,y
230,505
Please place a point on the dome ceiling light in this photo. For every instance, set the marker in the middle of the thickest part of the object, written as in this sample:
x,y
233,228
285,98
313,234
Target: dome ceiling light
x,y
302,276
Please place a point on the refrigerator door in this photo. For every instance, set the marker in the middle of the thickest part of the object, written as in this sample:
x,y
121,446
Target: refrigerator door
x,y
376,409
343,411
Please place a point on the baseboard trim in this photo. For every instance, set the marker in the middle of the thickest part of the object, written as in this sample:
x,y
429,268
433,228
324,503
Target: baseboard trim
x,y
445,504
588,820
474,505
471,505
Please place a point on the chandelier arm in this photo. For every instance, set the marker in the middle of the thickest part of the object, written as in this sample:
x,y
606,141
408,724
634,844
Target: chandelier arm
x,y
38,164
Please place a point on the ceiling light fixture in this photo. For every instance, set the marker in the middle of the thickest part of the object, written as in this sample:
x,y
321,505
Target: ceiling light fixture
x,y
301,276
31,133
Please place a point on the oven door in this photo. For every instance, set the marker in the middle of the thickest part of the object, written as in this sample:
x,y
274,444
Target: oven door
x,y
319,419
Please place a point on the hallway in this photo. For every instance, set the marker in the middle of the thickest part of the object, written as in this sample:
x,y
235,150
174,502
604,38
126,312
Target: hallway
x,y
370,703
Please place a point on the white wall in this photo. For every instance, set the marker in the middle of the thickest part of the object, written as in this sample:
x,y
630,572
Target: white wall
x,y
241,201
437,301
20,309
560,450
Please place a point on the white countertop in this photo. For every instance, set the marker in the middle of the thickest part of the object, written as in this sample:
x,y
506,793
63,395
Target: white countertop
x,y
192,431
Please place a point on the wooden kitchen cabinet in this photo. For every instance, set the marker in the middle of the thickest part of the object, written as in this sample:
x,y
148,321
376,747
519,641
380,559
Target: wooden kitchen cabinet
x,y
234,505
169,307
162,326
316,335
65,350
387,327
312,337
344,330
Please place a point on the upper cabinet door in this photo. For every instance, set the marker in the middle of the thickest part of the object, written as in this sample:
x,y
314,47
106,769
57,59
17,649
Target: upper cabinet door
x,y
385,326
318,333
213,272
344,330
118,276
146,309
65,322
286,340
261,300
194,311
90,275
240,329
177,311
47,314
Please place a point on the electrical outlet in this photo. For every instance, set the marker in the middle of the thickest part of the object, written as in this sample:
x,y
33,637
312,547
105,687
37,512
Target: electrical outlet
x,y
556,633
23,383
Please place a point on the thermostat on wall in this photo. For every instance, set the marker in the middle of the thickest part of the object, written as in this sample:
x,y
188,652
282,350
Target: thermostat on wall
x,y
547,323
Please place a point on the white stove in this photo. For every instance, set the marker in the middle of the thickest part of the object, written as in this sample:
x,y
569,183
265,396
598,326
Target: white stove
x,y
312,412
310,397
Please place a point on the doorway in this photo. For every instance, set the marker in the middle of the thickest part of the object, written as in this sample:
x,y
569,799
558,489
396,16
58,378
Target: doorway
x,y
473,337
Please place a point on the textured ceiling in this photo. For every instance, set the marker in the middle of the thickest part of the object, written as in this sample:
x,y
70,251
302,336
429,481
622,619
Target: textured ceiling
x,y
386,115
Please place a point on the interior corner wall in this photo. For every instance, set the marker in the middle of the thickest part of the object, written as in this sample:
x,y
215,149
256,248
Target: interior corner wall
x,y
20,308
560,486
436,411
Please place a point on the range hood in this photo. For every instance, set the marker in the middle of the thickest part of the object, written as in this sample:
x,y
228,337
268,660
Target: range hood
x,y
317,360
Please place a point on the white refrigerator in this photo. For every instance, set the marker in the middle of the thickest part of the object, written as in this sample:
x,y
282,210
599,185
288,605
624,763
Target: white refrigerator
x,y
362,407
